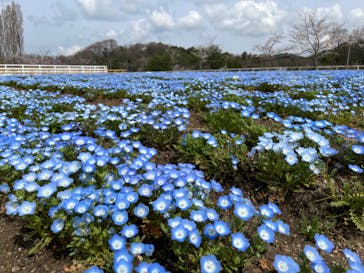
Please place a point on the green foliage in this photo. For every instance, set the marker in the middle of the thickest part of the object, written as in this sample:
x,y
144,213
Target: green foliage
x,y
93,247
267,87
197,103
338,268
215,162
157,138
311,225
62,108
159,62
351,199
290,110
228,120
233,122
236,98
271,169
306,94
347,118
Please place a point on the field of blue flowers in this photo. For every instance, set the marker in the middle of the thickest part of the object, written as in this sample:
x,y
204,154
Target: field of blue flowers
x,y
188,172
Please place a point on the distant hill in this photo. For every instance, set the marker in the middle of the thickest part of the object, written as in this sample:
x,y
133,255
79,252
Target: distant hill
x,y
156,56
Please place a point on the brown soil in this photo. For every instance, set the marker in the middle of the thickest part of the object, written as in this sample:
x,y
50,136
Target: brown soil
x,y
14,254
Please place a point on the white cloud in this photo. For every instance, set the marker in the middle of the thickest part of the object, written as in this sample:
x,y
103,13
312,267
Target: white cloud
x,y
100,10
357,14
66,51
216,10
139,30
162,19
246,16
332,13
112,34
191,20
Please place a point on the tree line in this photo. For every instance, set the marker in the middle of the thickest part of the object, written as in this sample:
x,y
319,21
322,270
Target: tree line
x,y
11,32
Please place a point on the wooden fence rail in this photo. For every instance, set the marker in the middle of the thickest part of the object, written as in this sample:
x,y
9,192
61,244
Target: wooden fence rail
x,y
50,69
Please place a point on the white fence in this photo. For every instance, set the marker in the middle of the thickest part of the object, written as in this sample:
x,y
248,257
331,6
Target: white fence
x,y
50,69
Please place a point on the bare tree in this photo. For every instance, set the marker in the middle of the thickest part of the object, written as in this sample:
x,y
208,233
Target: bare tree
x,y
11,31
354,37
313,35
272,47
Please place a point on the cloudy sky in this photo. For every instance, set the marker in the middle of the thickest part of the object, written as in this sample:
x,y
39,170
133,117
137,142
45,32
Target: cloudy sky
x,y
64,26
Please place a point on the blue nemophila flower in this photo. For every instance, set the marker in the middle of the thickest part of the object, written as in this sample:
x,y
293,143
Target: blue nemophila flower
x,y
122,202
26,208
210,231
351,256
244,211
216,186
129,231
236,191
239,241
198,216
149,249
266,233
132,197
224,202
194,238
358,149
161,204
101,211
358,267
116,242
274,207
312,254
47,190
283,228
266,211
82,206
142,267
57,225
4,188
179,233
222,228
327,151
123,267
291,158
122,255
141,211
209,264
285,264
156,268
71,167
271,224
137,248
183,203
119,217
45,175
11,208
355,168
324,243
174,222
94,269
320,267
212,215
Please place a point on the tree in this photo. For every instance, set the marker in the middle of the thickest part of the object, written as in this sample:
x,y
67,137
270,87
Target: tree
x,y
313,35
159,62
270,47
355,37
11,31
